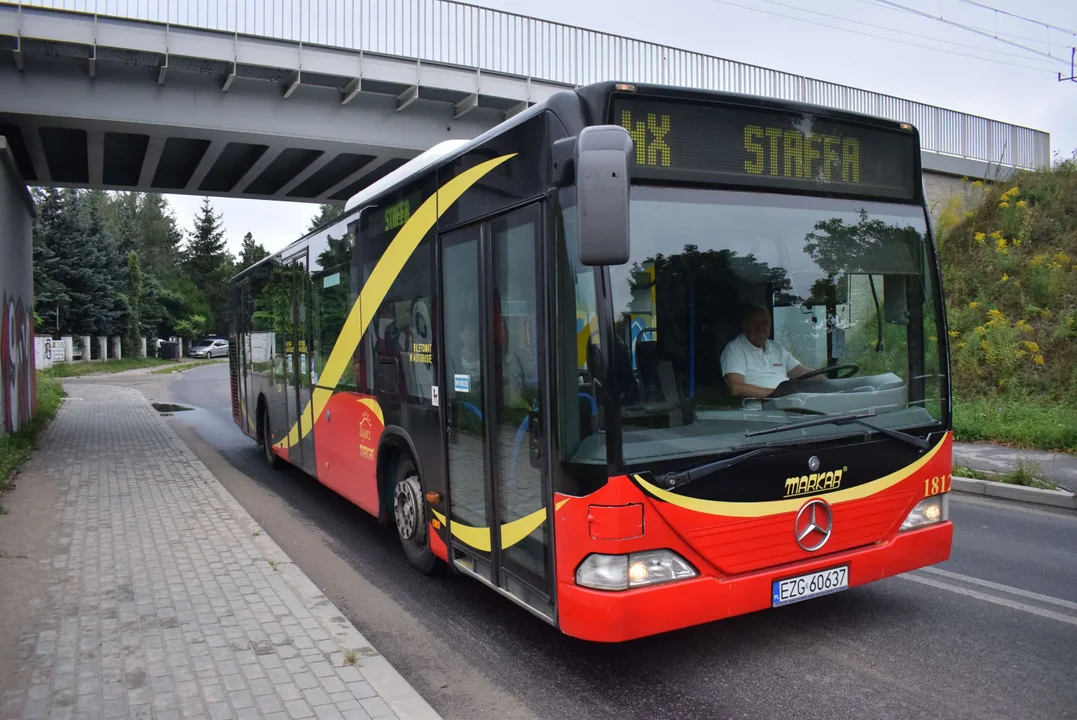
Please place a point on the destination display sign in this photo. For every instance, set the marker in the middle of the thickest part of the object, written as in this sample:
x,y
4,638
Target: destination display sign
x,y
735,144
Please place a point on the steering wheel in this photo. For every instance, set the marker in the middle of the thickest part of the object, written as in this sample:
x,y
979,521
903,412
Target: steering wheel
x,y
840,366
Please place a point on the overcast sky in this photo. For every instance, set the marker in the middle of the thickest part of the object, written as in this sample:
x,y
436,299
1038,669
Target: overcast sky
x,y
1001,82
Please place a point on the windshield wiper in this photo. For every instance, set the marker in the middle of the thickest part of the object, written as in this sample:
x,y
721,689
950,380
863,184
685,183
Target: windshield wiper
x,y
858,418
677,479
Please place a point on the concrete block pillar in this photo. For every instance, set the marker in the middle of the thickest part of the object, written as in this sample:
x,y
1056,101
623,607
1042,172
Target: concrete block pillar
x,y
142,347
69,348
102,347
87,355
117,351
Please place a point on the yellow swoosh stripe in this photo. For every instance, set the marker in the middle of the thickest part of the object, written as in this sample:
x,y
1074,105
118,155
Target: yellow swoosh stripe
x,y
511,533
381,279
773,507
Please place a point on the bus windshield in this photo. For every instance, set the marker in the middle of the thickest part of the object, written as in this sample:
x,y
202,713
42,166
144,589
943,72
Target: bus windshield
x,y
744,311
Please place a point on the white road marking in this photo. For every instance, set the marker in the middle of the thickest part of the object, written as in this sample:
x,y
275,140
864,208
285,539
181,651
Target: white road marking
x,y
1015,604
1002,588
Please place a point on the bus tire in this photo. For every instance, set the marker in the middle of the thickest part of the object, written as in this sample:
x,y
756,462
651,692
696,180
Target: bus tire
x,y
410,516
272,459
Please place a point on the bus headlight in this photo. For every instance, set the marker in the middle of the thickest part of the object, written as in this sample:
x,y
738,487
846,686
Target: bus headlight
x,y
928,512
621,572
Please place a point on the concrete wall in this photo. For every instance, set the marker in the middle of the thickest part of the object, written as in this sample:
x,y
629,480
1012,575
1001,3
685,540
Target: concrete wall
x,y
18,388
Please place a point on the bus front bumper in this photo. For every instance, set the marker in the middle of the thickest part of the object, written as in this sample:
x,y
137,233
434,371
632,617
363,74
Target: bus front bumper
x,y
605,616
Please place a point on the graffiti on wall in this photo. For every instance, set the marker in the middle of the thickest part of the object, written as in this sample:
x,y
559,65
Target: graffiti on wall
x,y
18,393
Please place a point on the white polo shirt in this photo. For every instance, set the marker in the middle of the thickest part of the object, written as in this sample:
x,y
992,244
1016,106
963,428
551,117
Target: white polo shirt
x,y
766,368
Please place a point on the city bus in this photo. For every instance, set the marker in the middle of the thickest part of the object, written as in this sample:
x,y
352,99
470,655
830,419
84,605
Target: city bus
x,y
638,358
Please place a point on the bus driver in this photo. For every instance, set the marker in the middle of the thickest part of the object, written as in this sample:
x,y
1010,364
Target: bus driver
x,y
754,365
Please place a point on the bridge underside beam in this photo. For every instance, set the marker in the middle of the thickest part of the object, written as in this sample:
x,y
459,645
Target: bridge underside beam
x,y
192,111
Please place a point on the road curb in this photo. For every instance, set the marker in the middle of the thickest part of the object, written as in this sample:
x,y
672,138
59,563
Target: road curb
x,y
1006,491
390,685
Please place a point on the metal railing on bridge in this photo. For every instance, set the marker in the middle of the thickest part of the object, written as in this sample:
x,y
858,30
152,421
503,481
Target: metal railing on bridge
x,y
455,33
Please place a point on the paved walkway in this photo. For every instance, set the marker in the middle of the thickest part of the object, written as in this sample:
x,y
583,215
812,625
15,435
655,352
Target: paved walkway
x,y
166,600
1060,468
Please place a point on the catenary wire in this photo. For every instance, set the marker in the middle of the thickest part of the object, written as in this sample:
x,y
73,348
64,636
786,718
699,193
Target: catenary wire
x,y
1008,63
1019,17
904,32
1016,36
968,28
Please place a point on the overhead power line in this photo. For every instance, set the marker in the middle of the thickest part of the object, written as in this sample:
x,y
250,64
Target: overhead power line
x,y
1019,17
940,18
1016,36
1008,63
900,32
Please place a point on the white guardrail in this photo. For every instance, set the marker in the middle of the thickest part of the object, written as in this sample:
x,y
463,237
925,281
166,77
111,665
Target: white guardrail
x,y
455,33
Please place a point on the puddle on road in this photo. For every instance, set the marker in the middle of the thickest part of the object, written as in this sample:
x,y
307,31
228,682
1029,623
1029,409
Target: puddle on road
x,y
167,409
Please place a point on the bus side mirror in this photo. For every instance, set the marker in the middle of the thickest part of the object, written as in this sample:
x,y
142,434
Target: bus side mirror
x,y
602,193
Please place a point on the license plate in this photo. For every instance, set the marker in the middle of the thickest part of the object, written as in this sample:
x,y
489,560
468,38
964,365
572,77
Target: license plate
x,y
803,587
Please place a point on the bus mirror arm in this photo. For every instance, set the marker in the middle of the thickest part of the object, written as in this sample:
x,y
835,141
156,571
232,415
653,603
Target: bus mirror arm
x,y
602,194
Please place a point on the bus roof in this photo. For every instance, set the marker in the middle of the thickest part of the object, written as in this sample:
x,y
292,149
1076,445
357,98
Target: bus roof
x,y
409,169
591,95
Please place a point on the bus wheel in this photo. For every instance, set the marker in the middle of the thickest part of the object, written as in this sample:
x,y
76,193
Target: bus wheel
x,y
272,459
410,517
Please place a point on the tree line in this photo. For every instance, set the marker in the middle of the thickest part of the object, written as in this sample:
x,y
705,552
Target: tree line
x,y
113,263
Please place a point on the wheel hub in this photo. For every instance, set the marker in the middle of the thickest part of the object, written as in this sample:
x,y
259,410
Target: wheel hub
x,y
407,507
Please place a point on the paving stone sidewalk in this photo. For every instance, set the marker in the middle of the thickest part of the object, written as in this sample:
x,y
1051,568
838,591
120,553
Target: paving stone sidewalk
x,y
166,600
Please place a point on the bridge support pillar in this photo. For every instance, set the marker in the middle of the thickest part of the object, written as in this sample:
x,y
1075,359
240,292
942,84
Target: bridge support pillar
x,y
117,352
69,349
142,347
102,347
87,352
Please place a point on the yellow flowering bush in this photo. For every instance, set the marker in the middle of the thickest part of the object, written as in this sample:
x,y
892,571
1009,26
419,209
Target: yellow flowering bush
x,y
1010,274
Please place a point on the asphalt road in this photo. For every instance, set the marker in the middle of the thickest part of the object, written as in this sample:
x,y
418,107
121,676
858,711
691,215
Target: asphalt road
x,y
990,633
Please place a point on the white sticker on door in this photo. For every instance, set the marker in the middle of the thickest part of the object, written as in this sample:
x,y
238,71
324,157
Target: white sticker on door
x,y
434,395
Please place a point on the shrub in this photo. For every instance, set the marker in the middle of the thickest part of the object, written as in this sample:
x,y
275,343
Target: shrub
x,y
1010,270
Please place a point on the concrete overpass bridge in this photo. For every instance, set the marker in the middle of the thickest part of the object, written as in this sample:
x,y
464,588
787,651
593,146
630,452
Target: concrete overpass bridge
x,y
312,100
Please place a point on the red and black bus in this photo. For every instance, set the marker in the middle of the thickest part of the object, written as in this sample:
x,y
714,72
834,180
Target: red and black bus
x,y
637,358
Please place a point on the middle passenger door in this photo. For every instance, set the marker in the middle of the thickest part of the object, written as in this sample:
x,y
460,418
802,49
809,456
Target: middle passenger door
x,y
498,484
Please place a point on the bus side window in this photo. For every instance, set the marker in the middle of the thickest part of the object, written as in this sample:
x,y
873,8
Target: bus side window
x,y
402,328
332,303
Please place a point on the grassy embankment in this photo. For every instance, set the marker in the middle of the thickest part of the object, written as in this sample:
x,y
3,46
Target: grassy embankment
x,y
16,447
77,369
180,367
1009,258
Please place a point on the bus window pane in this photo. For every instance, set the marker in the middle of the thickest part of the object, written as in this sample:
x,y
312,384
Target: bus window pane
x,y
464,376
404,330
577,348
332,302
521,489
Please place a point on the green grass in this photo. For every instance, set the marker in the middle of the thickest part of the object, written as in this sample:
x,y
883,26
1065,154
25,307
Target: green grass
x,y
180,367
15,448
66,370
1028,475
1021,422
972,473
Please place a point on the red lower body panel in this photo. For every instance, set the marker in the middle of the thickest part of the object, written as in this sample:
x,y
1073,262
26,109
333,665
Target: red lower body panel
x,y
618,616
737,549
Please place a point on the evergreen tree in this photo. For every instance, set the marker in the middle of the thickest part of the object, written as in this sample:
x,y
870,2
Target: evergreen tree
x,y
208,265
106,280
125,226
159,235
250,252
133,327
74,263
326,213
50,295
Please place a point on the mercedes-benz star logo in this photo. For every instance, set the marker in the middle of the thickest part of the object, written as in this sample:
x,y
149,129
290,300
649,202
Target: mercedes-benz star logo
x,y
813,463
813,525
